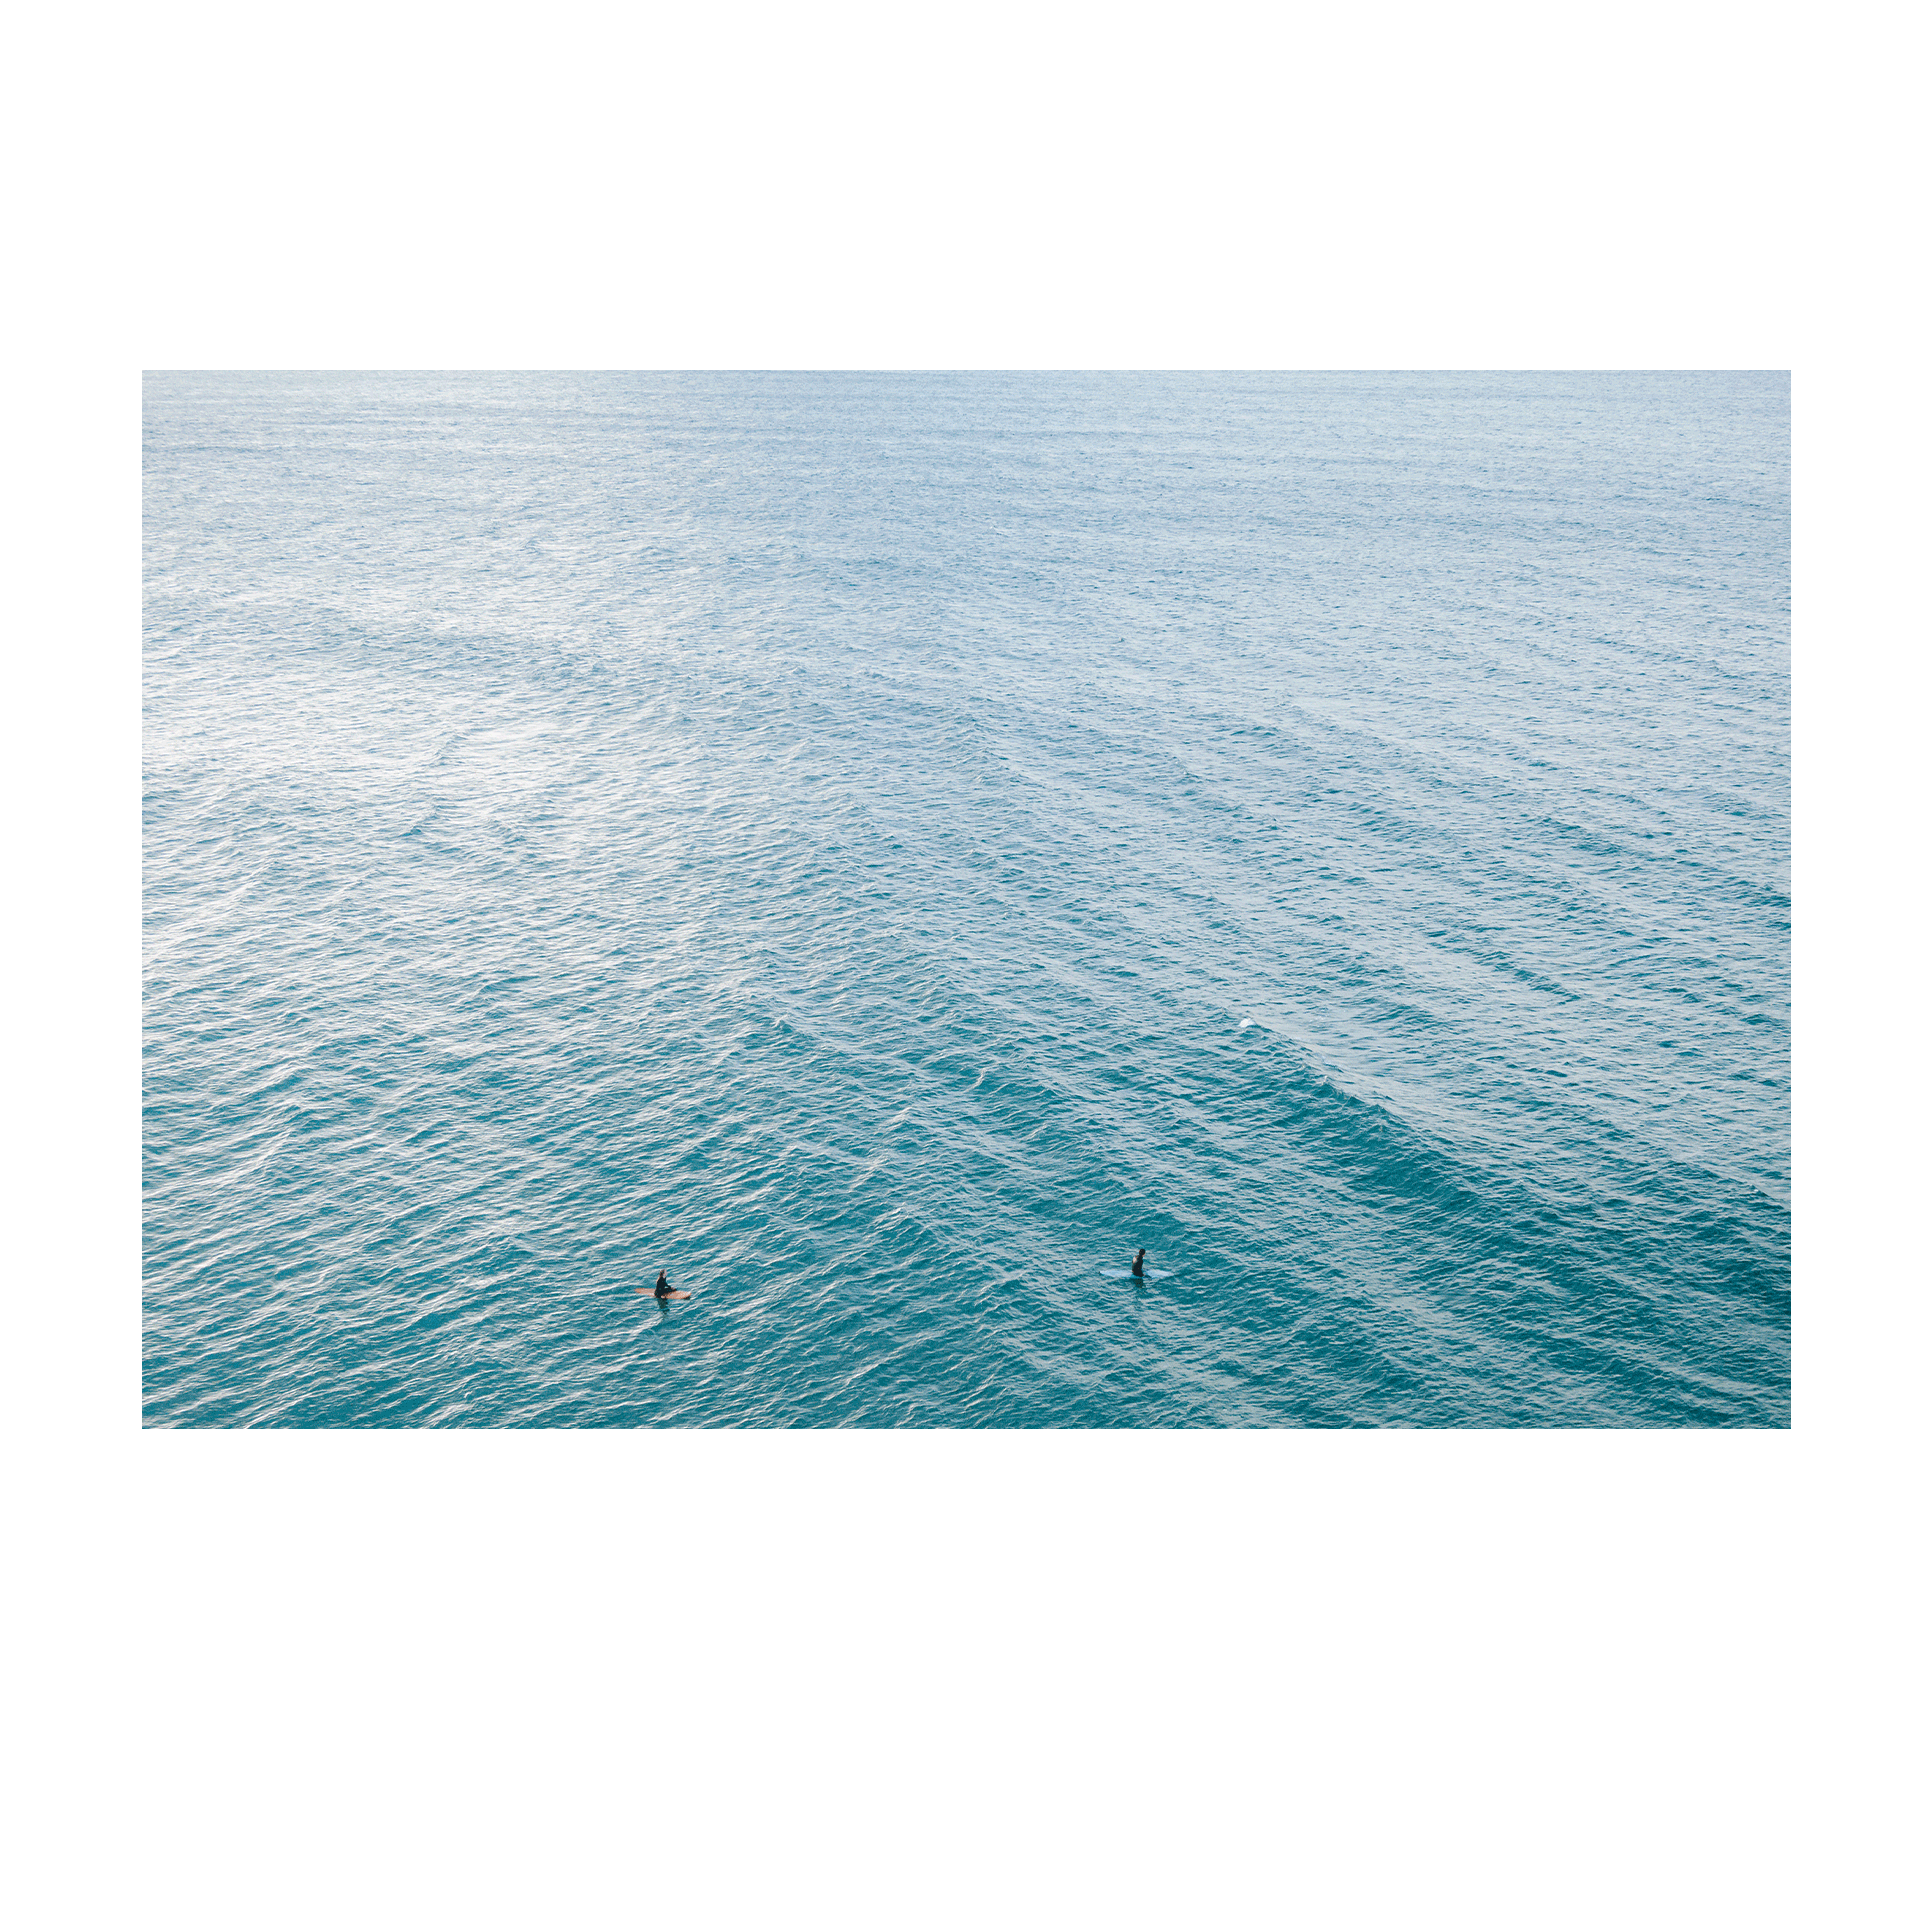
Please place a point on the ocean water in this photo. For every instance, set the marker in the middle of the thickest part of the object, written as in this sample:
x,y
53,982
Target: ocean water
x,y
884,847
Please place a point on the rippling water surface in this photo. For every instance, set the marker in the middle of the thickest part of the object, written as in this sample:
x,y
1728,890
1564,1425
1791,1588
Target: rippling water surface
x,y
884,847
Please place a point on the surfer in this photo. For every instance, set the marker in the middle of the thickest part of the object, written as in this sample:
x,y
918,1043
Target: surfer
x,y
662,1292
1139,1264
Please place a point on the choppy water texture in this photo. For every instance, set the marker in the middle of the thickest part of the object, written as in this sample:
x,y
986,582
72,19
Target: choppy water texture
x,y
885,847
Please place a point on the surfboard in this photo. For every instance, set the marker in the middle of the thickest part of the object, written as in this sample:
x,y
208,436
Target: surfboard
x,y
1127,1273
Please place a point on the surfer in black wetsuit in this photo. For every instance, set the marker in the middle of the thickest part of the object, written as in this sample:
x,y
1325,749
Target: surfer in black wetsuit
x,y
663,1293
1140,1264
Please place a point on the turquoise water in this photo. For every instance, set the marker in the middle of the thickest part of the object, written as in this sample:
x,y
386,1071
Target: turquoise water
x,y
885,847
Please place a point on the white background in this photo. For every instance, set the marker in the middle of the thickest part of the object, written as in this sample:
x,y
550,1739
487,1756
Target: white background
x,y
1485,1674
